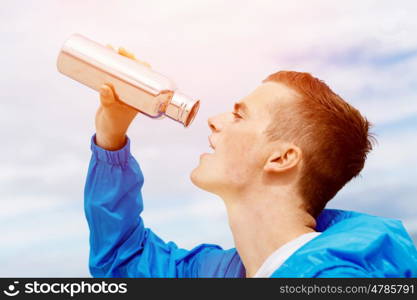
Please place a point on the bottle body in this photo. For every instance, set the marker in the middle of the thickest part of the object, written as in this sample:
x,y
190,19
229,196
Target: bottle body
x,y
140,87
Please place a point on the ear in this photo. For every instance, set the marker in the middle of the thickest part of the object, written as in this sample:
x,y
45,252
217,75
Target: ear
x,y
284,160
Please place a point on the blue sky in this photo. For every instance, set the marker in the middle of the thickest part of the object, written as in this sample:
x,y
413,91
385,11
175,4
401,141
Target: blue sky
x,y
218,51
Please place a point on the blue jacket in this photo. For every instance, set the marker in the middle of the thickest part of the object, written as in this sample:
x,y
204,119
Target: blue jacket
x,y
351,244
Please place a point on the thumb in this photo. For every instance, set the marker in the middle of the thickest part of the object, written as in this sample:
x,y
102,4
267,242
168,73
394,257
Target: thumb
x,y
107,97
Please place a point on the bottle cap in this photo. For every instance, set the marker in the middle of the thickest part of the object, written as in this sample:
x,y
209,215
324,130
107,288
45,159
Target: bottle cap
x,y
182,108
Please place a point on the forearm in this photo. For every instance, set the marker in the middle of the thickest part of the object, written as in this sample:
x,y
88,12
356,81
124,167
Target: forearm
x,y
113,204
113,119
111,142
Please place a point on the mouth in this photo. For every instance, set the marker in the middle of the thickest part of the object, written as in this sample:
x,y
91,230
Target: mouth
x,y
211,147
211,144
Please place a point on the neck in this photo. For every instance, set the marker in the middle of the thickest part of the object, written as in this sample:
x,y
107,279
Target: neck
x,y
263,222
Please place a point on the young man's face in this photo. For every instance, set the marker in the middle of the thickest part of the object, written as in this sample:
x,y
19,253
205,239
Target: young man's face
x,y
241,146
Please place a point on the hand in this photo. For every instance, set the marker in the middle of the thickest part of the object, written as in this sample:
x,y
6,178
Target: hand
x,y
114,117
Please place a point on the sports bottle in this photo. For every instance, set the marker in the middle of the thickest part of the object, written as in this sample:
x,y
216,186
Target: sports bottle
x,y
140,87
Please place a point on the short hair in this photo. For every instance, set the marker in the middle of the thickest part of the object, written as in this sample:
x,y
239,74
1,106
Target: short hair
x,y
333,136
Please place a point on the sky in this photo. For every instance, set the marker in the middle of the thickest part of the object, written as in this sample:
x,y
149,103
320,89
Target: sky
x,y
217,51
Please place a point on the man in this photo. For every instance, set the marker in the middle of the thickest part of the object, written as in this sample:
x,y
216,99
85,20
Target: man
x,y
279,157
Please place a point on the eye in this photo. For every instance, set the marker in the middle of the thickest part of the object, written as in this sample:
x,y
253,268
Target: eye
x,y
236,115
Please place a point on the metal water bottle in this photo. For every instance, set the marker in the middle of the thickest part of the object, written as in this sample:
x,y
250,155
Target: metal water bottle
x,y
138,86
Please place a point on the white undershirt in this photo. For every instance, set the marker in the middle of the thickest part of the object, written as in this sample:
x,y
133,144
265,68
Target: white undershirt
x,y
277,258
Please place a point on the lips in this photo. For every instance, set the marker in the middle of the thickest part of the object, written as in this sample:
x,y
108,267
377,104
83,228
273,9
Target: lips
x,y
211,143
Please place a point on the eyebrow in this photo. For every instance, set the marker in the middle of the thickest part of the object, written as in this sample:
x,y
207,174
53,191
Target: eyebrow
x,y
240,106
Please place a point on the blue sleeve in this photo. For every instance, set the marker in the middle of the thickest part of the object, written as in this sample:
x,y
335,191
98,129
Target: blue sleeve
x,y
120,245
343,272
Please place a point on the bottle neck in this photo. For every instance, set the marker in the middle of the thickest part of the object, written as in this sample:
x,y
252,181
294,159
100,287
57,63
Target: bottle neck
x,y
182,108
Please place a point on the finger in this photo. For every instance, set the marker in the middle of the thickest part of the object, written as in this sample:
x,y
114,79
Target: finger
x,y
126,53
106,95
145,64
110,46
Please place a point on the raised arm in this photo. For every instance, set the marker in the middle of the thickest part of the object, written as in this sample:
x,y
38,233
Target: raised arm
x,y
120,245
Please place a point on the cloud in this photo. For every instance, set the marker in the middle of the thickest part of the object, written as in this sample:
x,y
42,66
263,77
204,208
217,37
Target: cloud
x,y
218,51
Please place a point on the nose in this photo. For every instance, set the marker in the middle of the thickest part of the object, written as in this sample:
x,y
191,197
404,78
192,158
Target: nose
x,y
213,125
218,123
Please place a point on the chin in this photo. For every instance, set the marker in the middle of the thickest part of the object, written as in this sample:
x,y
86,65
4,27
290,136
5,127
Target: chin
x,y
201,180
196,179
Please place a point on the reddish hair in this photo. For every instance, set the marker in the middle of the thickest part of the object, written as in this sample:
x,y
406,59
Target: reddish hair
x,y
333,136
